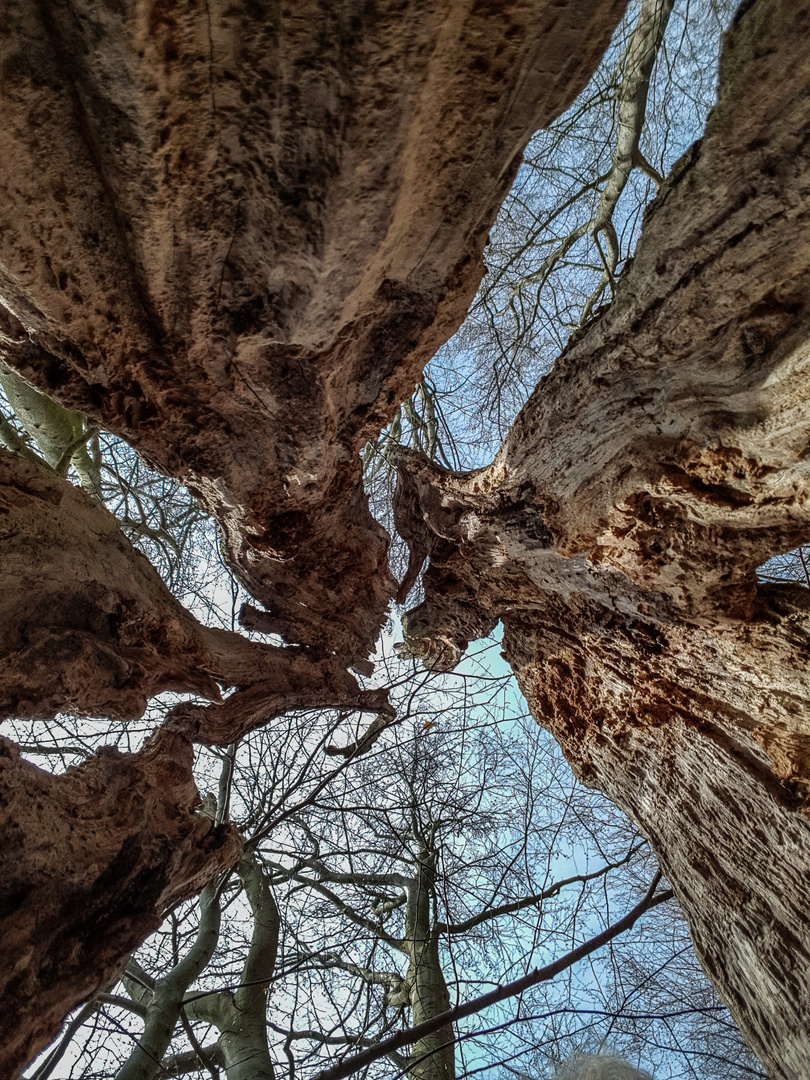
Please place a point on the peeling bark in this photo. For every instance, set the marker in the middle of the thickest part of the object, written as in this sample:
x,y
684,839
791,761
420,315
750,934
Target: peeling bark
x,y
91,861
618,531
234,234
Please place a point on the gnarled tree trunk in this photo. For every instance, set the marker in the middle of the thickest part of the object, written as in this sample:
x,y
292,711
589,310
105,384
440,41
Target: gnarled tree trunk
x,y
88,626
91,860
618,532
233,234
236,238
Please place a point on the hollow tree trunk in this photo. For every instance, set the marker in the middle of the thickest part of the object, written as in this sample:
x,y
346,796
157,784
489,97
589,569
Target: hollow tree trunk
x,y
618,532
235,233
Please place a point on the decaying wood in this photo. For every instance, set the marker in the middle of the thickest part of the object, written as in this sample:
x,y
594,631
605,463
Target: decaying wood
x,y
618,531
91,860
88,626
703,737
234,237
235,233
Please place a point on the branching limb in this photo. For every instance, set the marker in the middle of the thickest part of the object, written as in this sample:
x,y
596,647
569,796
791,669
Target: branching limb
x,y
530,901
501,993
166,1001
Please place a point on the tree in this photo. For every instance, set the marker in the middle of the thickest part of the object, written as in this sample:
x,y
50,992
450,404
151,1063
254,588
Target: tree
x,y
446,858
678,482
206,288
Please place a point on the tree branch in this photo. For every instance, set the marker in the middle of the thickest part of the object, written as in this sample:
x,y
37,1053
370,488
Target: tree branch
x,y
528,901
502,993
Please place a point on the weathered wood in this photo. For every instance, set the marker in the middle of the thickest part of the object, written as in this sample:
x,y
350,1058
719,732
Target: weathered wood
x,y
91,860
87,626
618,531
234,233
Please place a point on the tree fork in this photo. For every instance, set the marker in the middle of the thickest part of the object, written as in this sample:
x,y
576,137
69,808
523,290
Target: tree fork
x,y
212,294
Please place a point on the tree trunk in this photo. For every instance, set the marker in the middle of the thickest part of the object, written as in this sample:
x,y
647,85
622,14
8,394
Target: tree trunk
x,y
87,626
163,1001
241,1016
432,1057
235,240
618,531
90,862
235,233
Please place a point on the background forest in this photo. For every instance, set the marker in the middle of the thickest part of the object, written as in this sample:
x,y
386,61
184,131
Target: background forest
x,y
393,872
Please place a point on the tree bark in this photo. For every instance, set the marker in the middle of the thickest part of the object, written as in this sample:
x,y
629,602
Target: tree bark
x,y
618,532
91,860
87,626
433,1056
236,241
235,233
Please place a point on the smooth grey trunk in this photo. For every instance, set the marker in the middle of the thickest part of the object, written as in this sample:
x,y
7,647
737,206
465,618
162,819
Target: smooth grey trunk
x,y
432,1057
241,1016
61,436
164,1001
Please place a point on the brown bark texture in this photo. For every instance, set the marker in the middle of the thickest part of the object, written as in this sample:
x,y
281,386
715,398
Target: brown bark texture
x,y
618,531
234,233
91,861
87,626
